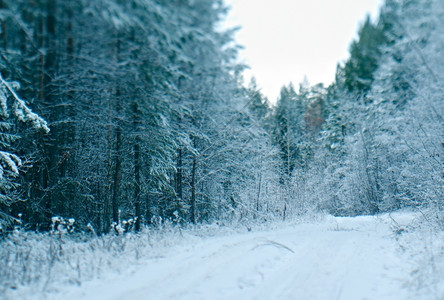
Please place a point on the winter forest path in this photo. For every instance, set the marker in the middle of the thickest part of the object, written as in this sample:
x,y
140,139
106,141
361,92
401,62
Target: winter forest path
x,y
338,258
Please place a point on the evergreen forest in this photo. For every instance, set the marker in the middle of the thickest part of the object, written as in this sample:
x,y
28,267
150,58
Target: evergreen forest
x,y
122,114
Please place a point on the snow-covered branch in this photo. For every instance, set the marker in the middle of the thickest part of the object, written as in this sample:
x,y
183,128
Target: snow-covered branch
x,y
21,110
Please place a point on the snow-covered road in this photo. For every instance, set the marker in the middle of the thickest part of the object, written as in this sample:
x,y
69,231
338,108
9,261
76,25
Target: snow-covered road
x,y
338,258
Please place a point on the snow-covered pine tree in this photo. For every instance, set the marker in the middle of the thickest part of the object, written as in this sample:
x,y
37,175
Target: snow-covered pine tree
x,y
12,110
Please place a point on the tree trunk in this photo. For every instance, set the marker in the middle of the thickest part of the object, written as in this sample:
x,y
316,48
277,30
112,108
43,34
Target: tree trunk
x,y
4,35
259,188
179,184
48,71
118,148
117,162
370,181
108,188
137,165
193,190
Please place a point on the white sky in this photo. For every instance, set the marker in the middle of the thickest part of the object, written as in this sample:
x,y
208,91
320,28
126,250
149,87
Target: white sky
x,y
286,40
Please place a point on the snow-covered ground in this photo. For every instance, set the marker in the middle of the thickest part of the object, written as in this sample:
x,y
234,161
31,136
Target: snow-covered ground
x,y
337,258
381,257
